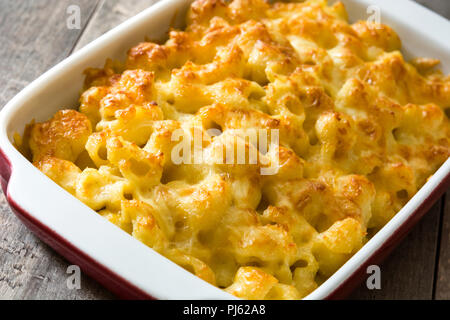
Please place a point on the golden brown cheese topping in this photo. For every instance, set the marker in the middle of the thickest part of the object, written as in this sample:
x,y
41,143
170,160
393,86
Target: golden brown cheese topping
x,y
359,130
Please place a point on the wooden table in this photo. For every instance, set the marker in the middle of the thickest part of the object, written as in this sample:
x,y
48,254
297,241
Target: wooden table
x,y
34,36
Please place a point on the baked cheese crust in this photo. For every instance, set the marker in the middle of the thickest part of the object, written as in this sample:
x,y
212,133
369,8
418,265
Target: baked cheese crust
x,y
360,131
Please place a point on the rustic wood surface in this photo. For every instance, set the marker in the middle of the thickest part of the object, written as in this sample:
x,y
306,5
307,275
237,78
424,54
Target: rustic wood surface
x,y
442,287
34,37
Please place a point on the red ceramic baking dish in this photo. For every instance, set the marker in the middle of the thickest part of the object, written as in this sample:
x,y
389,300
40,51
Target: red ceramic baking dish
x,y
118,261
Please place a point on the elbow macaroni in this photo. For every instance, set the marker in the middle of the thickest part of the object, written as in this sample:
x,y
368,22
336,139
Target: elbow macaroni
x,y
360,131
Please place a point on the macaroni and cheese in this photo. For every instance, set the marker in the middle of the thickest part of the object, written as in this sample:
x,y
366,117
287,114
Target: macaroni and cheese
x,y
359,131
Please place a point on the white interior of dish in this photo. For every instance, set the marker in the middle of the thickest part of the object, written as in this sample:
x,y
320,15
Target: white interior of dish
x,y
423,33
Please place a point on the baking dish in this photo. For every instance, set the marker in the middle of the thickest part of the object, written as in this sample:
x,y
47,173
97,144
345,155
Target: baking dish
x,y
114,258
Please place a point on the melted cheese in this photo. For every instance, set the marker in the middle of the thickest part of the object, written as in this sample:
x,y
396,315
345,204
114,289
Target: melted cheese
x,y
360,131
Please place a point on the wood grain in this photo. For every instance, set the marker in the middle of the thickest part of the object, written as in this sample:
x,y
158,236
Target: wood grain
x,y
34,37
409,273
442,290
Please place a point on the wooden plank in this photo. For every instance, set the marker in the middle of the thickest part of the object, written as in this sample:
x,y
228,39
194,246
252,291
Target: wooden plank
x,y
110,14
34,36
441,7
409,272
442,289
